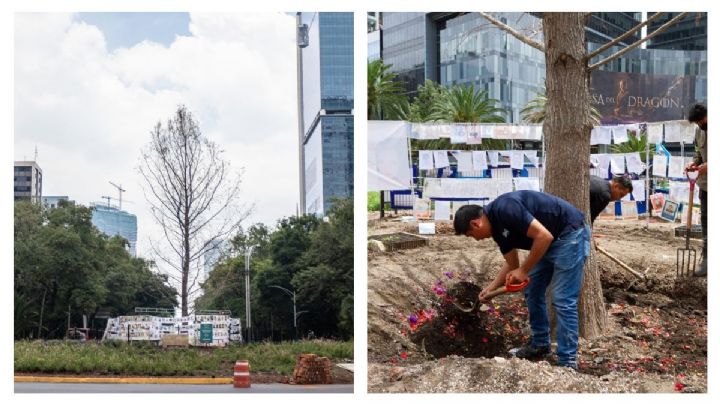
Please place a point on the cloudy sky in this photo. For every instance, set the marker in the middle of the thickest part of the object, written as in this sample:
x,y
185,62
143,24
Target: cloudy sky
x,y
89,87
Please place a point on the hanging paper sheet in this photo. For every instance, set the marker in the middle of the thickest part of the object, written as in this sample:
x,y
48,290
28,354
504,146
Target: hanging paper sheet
x,y
444,130
689,132
473,134
388,160
531,184
534,132
654,132
602,135
441,158
676,167
464,159
426,160
638,192
493,157
674,132
487,131
458,134
479,160
442,210
603,164
617,163
532,157
619,134
660,165
634,163
517,159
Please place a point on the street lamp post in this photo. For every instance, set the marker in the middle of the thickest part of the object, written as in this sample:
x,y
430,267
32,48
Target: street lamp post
x,y
295,313
248,313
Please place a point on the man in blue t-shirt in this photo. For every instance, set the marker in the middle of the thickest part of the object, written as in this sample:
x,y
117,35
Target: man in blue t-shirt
x,y
558,238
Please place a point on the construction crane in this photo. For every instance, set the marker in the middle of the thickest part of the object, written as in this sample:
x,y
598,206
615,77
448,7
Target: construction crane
x,y
108,199
120,192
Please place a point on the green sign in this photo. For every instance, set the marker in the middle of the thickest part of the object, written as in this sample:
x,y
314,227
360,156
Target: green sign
x,y
206,333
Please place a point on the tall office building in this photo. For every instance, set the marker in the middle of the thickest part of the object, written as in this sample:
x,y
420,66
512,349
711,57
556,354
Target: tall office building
x,y
114,222
52,202
465,49
325,42
28,181
690,33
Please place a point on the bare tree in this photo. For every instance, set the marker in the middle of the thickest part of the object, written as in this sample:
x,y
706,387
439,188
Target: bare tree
x,y
193,196
567,128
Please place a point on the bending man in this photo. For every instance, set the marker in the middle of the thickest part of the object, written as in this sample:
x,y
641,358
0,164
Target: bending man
x,y
558,238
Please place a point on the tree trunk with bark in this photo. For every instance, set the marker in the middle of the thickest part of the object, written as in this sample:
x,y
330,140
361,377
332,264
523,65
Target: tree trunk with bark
x,y
567,129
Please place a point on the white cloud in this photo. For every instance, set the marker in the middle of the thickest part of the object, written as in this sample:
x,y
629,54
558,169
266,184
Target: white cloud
x,y
89,111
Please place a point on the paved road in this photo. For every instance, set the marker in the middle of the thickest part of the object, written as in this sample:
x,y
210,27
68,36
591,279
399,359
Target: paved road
x,y
176,388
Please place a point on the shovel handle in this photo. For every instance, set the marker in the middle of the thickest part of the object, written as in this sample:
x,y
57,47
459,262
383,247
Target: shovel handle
x,y
507,288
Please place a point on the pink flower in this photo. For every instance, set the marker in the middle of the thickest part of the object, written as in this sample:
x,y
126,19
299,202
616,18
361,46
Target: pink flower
x,y
403,355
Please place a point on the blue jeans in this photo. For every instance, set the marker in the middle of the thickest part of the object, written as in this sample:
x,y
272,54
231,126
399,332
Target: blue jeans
x,y
562,266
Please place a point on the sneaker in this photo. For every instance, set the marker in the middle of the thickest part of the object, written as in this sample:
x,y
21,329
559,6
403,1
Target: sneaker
x,y
571,365
531,351
701,270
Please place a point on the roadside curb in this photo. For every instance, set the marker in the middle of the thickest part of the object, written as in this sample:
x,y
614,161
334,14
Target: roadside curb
x,y
124,380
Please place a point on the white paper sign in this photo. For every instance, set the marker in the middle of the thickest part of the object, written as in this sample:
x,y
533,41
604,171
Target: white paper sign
x,y
531,184
602,135
442,210
676,167
654,132
426,228
425,160
458,134
517,159
638,190
504,186
674,132
634,163
479,160
660,165
532,157
493,157
689,132
441,158
473,134
487,132
465,163
619,134
617,163
603,164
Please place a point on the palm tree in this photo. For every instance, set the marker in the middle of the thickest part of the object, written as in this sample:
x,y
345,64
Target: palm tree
x,y
464,104
385,94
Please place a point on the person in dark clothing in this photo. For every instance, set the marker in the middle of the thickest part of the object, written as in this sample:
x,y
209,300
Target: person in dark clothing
x,y
698,115
603,191
558,238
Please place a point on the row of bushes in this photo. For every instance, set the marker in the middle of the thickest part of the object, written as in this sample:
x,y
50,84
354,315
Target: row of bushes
x,y
146,359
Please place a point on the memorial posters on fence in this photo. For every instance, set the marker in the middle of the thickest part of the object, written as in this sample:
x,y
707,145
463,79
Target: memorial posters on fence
x,y
635,97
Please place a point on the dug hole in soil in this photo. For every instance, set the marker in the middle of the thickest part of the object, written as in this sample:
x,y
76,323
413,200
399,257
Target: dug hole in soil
x,y
420,341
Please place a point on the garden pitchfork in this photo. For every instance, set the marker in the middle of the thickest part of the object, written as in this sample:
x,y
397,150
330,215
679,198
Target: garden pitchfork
x,y
686,257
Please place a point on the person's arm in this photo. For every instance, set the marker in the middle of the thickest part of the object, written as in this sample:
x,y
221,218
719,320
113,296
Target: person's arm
x,y
542,238
511,262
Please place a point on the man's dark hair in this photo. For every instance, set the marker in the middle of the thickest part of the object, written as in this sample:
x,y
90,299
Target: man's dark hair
x,y
463,216
624,181
697,112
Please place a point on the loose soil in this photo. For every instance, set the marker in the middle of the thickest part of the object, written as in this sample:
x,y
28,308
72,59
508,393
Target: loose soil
x,y
419,341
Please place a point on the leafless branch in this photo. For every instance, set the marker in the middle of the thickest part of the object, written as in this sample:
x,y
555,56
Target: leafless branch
x,y
623,36
522,38
638,42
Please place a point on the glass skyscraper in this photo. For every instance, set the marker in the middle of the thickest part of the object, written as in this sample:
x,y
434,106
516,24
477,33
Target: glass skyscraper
x,y
327,108
113,222
464,49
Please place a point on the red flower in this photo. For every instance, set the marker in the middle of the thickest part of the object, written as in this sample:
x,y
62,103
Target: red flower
x,y
484,340
679,386
403,355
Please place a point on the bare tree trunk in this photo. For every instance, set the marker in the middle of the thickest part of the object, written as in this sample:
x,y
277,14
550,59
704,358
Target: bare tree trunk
x,y
567,135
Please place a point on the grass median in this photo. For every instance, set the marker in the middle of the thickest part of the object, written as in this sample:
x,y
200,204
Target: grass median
x,y
144,359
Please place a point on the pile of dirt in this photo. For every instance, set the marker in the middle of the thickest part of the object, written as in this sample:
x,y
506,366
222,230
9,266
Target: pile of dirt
x,y
464,327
